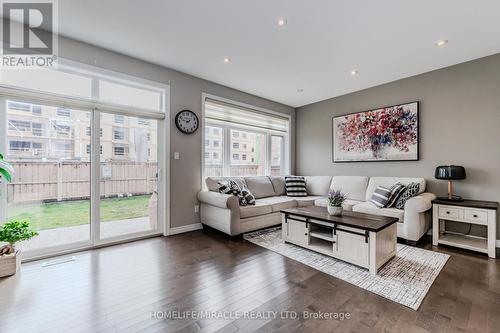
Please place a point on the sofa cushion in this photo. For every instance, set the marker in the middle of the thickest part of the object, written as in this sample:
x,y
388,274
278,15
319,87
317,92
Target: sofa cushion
x,y
211,182
318,185
260,208
278,185
380,196
389,181
307,201
347,205
370,208
353,186
279,203
260,186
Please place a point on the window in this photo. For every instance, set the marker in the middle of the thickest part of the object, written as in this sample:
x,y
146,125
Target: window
x,y
18,125
88,149
207,142
118,119
207,154
118,133
36,110
277,152
120,150
254,140
17,106
148,136
87,131
36,129
143,121
62,112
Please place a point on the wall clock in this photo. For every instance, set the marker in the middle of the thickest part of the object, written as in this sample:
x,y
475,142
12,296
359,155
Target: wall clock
x,y
187,121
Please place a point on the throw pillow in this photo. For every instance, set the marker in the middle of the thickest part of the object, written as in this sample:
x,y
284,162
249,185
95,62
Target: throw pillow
x,y
245,197
396,191
380,196
410,191
295,186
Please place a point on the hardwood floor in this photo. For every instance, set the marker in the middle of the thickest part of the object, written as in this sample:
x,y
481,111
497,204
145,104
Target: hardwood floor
x,y
120,289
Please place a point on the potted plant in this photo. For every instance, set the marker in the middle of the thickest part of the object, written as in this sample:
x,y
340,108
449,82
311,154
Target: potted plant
x,y
335,201
12,232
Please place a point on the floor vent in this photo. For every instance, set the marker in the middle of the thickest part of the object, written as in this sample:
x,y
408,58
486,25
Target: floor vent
x,y
58,261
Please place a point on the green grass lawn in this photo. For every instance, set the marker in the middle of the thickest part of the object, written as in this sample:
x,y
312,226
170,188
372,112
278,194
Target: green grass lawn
x,y
72,213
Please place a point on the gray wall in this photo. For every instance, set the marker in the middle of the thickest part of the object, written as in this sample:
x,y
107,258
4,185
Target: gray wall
x,y
185,93
459,124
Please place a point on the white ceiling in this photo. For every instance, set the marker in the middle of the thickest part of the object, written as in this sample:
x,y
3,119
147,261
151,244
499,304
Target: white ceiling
x,y
324,40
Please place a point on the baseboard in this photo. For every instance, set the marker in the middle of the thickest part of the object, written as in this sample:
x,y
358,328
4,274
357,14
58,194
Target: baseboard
x,y
185,228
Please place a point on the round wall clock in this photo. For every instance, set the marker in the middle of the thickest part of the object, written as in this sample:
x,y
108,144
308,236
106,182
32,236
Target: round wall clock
x,y
187,121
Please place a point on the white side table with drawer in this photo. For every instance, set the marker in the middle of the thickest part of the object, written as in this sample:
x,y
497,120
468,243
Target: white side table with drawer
x,y
466,211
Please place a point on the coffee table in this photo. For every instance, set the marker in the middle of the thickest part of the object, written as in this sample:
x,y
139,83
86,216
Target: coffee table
x,y
365,240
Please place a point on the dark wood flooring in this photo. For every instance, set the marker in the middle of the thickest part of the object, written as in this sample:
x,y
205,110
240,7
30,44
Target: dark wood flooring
x,y
116,289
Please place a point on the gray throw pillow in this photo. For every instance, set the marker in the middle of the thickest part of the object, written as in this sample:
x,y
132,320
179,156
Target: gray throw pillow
x,y
380,196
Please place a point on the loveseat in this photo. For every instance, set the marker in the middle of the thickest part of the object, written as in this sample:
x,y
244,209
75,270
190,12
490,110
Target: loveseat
x,y
223,212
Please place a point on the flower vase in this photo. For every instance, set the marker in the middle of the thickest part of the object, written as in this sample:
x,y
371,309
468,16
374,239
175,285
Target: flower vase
x,y
334,210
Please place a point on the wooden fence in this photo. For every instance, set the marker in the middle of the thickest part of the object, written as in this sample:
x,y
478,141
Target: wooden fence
x,y
58,181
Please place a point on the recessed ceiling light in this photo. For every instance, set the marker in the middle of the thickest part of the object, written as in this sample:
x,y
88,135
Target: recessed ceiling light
x,y
300,90
281,22
354,72
227,60
441,42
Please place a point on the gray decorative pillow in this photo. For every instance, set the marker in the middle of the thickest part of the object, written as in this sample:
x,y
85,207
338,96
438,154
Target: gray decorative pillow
x,y
396,191
380,196
410,191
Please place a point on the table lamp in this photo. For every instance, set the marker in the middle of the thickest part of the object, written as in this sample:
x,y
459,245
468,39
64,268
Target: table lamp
x,y
450,173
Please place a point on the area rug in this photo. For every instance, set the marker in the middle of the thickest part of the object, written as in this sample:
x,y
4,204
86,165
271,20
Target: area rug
x,y
405,279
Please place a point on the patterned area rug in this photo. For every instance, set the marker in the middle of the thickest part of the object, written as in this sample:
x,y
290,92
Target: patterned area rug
x,y
405,279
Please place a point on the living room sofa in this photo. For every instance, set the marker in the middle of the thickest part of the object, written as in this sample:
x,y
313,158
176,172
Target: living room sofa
x,y
223,212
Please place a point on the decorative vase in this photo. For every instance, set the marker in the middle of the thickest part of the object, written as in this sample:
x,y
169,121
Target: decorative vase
x,y
334,210
10,264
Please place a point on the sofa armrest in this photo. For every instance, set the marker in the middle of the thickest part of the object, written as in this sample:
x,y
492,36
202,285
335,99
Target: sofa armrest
x,y
420,203
219,199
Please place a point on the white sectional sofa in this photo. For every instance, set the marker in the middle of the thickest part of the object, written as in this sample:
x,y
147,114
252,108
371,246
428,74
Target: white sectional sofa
x,y
222,211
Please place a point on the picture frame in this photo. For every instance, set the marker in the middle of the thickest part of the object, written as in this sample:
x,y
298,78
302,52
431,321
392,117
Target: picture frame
x,y
385,134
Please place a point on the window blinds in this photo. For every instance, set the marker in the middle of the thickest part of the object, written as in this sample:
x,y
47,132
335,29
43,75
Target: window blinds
x,y
221,111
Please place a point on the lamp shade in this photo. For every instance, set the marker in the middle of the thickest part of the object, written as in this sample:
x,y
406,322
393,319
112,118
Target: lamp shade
x,y
450,172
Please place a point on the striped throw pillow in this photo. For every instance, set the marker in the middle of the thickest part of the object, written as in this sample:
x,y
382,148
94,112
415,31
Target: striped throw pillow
x,y
295,186
396,191
380,196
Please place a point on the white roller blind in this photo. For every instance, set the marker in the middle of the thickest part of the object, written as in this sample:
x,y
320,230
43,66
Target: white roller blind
x,y
217,110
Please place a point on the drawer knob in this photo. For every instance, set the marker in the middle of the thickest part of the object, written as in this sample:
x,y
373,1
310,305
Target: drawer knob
x,y
474,215
447,212
305,234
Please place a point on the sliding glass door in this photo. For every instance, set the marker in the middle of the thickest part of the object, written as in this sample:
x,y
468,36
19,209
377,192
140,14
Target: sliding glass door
x,y
129,175
82,177
46,145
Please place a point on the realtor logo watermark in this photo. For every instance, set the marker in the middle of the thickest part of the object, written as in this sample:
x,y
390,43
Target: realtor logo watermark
x,y
29,33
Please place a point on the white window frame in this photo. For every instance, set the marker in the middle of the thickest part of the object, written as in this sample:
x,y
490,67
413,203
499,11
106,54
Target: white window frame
x,y
96,108
226,138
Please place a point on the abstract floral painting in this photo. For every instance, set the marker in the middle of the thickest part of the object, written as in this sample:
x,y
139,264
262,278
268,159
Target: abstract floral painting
x,y
386,134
